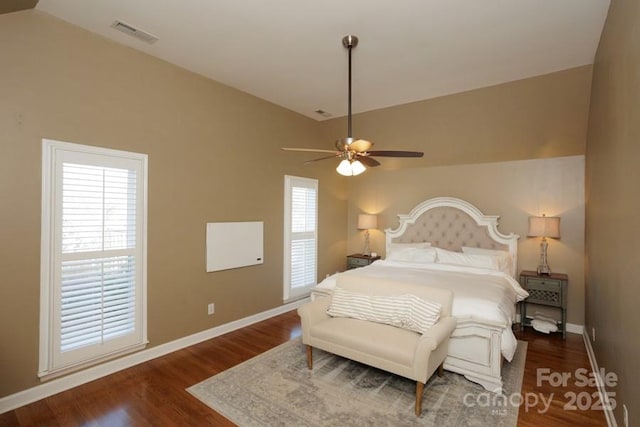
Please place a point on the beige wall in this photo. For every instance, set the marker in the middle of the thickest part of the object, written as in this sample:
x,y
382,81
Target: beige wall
x,y
534,118
513,190
213,156
613,202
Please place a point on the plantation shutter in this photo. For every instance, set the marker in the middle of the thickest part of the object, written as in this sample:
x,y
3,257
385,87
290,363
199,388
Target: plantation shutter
x,y
97,269
300,235
97,287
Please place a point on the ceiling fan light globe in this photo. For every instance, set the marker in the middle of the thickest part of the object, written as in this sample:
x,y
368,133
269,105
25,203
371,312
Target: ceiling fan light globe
x,y
344,168
357,168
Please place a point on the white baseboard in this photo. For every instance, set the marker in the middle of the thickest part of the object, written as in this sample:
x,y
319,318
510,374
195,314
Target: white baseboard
x,y
575,329
604,397
58,385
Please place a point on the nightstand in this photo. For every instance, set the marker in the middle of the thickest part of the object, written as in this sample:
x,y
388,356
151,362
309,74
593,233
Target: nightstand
x,y
360,260
545,289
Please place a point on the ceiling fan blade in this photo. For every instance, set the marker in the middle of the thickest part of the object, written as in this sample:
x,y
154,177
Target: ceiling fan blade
x,y
360,145
391,153
368,161
322,158
311,150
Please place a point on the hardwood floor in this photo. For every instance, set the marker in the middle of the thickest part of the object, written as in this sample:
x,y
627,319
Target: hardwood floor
x,y
549,357
153,393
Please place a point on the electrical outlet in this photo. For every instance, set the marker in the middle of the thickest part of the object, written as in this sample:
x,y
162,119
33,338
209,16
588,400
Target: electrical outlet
x,y
211,308
593,334
626,415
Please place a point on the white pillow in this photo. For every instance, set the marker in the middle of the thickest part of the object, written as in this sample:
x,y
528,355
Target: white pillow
x,y
424,255
399,246
403,311
504,260
468,260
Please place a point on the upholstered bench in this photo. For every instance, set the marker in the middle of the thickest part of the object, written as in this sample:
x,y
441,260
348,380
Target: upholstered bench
x,y
406,344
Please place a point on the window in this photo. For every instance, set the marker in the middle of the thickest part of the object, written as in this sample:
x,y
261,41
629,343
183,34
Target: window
x,y
93,255
300,236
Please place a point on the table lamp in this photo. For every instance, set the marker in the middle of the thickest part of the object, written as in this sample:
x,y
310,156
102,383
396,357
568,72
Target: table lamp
x,y
544,226
367,222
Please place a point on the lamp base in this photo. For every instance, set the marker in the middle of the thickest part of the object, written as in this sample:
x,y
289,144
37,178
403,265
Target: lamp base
x,y
366,250
543,267
544,270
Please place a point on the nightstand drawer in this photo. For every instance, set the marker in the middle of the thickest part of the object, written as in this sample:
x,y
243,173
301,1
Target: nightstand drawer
x,y
545,291
544,284
353,262
360,260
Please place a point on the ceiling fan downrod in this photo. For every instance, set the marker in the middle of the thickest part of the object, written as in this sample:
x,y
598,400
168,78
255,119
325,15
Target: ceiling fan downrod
x,y
349,42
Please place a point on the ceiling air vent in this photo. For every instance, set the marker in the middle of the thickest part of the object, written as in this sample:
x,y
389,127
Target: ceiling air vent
x,y
323,113
135,32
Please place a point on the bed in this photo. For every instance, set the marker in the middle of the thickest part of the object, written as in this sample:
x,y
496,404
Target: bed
x,y
448,243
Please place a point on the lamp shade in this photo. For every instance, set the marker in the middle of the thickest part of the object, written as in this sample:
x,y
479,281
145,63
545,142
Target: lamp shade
x,y
544,226
367,222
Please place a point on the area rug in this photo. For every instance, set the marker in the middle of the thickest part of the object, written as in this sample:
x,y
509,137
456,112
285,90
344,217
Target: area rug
x,y
276,389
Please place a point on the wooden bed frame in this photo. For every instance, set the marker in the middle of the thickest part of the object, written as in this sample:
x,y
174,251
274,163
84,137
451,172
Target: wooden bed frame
x,y
450,223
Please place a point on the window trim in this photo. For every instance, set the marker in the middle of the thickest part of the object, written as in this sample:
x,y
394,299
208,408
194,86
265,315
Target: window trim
x,y
48,262
288,294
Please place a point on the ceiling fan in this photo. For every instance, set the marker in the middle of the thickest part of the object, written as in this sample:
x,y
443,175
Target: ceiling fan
x,y
356,154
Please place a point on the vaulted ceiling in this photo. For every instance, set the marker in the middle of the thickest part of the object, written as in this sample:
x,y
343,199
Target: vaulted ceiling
x,y
289,52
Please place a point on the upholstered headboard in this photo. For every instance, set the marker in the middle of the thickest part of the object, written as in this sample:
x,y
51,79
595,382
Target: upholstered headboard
x,y
451,223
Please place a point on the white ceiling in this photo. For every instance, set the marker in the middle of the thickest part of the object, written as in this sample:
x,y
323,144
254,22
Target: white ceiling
x,y
289,52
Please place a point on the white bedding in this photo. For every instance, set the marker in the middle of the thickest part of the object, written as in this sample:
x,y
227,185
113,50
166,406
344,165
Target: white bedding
x,y
478,293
